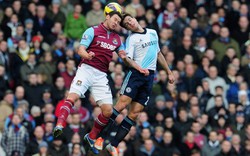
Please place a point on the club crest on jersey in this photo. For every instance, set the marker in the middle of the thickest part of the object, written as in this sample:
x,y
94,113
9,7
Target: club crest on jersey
x,y
78,82
115,41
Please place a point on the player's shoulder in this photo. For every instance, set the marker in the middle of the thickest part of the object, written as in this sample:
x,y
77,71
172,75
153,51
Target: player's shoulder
x,y
151,31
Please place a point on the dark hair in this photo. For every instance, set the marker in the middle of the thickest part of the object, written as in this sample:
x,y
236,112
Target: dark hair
x,y
112,13
123,17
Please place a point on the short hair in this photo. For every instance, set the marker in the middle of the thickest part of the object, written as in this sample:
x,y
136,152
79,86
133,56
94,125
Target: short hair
x,y
123,17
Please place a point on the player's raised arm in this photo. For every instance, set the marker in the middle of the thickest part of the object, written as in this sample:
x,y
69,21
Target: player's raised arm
x,y
164,64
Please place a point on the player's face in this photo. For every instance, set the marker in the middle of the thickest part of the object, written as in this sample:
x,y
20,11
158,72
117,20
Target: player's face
x,y
130,23
113,21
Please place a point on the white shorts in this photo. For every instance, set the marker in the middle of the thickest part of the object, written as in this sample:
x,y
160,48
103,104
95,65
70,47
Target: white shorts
x,y
88,77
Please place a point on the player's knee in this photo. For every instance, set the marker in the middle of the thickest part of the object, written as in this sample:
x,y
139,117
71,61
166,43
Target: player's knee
x,y
122,103
107,110
133,115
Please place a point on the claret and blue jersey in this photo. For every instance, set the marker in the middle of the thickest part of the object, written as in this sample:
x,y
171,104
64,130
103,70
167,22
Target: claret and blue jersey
x,y
103,43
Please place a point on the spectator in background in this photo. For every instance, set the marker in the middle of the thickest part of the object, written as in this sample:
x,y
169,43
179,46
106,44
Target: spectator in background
x,y
223,42
185,49
75,24
43,149
241,32
19,10
214,80
54,13
4,84
47,67
15,137
42,24
58,90
6,107
199,138
181,22
226,148
13,41
237,148
66,7
26,120
48,129
74,127
5,57
95,15
212,147
31,10
202,17
28,30
30,66
148,148
37,45
76,150
8,12
168,16
245,59
151,20
188,144
58,148
69,74
33,87
33,146
131,7
76,139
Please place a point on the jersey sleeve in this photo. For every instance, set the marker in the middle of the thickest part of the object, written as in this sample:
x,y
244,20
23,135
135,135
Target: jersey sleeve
x,y
122,47
87,37
130,47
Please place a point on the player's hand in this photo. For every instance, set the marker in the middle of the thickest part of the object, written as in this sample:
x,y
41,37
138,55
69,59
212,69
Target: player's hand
x,y
144,71
171,78
122,54
90,55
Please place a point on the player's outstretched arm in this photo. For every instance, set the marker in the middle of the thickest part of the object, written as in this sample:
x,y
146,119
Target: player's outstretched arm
x,y
164,64
132,63
82,52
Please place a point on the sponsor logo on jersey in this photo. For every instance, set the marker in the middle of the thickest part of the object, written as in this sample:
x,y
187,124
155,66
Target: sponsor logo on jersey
x,y
144,45
85,37
115,41
101,36
107,46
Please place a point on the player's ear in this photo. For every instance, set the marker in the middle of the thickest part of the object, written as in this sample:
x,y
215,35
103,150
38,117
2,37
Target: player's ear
x,y
107,17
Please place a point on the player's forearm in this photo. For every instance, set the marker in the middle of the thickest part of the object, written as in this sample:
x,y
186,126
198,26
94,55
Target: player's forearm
x,y
82,52
131,63
163,63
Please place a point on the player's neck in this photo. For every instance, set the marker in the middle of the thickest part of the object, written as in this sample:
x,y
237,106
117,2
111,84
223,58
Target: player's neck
x,y
105,24
140,29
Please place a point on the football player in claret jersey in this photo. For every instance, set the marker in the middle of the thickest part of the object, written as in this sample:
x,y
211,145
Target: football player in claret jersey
x,y
141,47
96,50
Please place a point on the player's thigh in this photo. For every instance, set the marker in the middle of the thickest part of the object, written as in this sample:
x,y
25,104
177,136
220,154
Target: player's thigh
x,y
101,91
82,81
144,92
131,84
134,110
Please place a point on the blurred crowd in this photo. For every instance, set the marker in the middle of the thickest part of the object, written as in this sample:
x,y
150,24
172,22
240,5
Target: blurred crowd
x,y
205,42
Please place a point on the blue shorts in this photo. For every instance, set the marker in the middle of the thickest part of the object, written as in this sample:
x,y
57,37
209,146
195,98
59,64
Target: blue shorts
x,y
138,86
